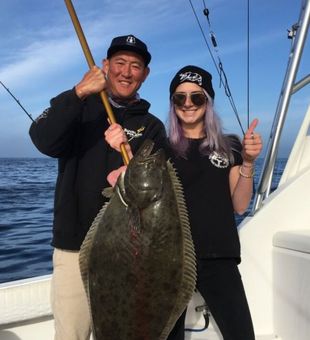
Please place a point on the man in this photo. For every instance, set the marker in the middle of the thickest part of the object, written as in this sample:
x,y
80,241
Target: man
x,y
72,130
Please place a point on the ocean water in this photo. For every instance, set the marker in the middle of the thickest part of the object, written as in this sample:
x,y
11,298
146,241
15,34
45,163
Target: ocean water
x,y
26,214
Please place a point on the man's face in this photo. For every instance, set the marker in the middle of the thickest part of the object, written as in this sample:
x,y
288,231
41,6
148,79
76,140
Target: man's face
x,y
125,73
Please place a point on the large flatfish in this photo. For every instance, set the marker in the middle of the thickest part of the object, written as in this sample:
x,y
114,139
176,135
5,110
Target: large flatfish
x,y
137,260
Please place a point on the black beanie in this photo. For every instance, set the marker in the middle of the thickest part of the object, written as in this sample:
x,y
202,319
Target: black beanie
x,y
193,74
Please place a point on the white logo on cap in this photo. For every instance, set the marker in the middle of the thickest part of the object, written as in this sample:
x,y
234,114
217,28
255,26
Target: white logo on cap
x,y
191,76
131,40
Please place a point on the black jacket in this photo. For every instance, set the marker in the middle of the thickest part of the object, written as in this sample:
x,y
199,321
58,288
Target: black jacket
x,y
72,130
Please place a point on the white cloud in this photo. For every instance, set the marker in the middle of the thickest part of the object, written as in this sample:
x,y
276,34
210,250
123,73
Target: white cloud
x,y
38,61
53,49
41,56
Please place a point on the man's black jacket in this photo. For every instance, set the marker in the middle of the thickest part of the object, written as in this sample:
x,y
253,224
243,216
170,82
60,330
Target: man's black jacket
x,y
72,130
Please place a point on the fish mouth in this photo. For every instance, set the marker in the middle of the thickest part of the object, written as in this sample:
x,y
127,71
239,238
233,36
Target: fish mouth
x,y
145,150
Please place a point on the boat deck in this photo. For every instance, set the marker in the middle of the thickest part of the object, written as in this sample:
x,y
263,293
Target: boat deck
x,y
44,330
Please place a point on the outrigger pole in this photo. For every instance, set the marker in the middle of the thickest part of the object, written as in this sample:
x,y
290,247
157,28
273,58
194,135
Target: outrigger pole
x,y
91,63
17,101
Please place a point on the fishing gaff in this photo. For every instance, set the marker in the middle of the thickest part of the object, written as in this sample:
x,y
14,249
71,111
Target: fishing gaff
x,y
91,63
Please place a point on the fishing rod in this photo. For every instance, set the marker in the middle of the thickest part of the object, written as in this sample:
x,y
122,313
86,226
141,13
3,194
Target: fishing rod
x,y
17,101
218,65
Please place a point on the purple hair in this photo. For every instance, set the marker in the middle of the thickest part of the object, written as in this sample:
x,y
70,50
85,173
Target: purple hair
x,y
214,141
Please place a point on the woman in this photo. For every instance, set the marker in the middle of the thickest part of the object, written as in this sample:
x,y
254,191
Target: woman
x,y
216,171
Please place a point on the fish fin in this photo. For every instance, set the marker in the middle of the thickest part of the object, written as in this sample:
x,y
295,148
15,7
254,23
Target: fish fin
x,y
190,275
108,192
86,248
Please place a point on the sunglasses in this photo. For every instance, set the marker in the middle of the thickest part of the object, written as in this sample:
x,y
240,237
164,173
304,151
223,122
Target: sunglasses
x,y
197,98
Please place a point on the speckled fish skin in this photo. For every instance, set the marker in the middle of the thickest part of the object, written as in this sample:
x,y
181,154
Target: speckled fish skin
x,y
137,260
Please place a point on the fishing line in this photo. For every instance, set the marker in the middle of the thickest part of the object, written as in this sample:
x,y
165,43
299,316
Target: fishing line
x,y
17,101
218,66
222,73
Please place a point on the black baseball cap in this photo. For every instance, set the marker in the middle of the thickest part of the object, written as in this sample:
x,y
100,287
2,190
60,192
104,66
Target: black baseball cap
x,y
129,43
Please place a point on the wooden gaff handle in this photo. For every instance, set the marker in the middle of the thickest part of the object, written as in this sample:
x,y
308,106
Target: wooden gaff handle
x,y
91,63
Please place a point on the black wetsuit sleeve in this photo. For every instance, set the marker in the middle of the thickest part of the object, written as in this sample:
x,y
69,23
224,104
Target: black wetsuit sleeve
x,y
53,132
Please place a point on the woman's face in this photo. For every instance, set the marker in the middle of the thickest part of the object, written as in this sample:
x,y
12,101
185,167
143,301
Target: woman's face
x,y
190,105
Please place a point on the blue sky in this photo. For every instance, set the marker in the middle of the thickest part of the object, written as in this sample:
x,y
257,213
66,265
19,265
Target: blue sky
x,y
40,56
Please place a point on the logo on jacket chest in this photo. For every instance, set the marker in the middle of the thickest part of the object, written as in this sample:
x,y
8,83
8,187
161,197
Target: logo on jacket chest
x,y
131,134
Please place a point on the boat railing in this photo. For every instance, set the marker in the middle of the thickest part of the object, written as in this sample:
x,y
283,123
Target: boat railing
x,y
289,87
